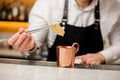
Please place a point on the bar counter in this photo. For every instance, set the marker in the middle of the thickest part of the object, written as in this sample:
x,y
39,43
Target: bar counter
x,y
16,69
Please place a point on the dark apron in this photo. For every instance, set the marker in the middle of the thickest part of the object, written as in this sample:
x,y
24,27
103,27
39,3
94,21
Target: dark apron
x,y
89,38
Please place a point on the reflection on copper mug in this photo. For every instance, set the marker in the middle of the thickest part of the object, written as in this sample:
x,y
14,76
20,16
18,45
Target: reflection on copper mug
x,y
66,55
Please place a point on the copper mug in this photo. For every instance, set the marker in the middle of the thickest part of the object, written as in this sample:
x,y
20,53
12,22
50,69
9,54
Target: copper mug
x,y
66,55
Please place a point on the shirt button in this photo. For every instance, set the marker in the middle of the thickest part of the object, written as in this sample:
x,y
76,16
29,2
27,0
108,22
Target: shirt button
x,y
96,28
96,24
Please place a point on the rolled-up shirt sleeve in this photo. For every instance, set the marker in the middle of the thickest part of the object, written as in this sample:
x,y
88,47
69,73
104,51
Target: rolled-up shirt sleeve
x,y
37,20
112,53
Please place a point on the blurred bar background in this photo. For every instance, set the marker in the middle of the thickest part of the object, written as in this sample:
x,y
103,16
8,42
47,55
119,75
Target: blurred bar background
x,y
14,15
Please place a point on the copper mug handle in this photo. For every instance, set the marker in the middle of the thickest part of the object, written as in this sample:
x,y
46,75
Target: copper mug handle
x,y
76,45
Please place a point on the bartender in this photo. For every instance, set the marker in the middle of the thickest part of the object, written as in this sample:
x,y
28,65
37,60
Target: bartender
x,y
87,22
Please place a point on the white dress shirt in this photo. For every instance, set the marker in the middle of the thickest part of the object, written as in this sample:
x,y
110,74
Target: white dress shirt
x,y
118,0
47,12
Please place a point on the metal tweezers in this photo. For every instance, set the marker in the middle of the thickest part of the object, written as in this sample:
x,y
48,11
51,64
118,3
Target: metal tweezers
x,y
29,31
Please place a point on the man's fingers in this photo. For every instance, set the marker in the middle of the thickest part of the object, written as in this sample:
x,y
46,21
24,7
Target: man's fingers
x,y
94,62
24,44
87,57
79,59
20,40
32,44
13,39
89,60
28,46
21,30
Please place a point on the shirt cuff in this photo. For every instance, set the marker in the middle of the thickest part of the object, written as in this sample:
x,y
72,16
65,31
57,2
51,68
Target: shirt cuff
x,y
26,54
111,54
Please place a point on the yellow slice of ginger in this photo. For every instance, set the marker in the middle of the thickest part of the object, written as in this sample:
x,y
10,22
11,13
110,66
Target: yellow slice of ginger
x,y
57,29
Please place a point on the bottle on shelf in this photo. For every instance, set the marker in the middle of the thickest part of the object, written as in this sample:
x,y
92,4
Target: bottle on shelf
x,y
3,12
15,10
21,16
0,12
28,8
9,12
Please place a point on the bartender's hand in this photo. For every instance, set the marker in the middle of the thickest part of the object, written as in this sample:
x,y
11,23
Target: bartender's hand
x,y
89,59
22,41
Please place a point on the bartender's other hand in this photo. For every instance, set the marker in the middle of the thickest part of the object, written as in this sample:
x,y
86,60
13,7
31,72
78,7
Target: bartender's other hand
x,y
22,41
89,59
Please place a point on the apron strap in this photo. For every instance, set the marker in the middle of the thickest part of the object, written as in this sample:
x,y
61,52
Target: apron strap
x,y
65,14
97,13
